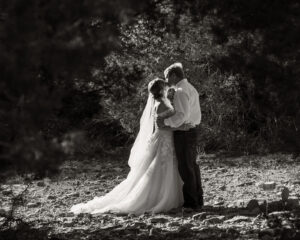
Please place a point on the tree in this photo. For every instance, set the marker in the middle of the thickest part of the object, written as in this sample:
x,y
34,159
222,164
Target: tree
x,y
45,46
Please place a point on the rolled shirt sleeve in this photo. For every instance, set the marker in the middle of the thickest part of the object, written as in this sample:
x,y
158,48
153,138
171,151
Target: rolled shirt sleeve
x,y
182,108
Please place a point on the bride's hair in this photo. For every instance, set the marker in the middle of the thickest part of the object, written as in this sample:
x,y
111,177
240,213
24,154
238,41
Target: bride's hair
x,y
156,87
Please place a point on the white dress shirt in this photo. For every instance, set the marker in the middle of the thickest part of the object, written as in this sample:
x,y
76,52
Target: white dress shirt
x,y
186,104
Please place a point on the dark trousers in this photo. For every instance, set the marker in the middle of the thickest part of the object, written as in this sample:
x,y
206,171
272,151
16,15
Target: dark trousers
x,y
186,152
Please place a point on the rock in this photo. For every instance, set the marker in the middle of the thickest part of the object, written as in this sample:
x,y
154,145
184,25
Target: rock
x,y
245,184
118,169
153,231
40,184
158,220
252,204
204,234
33,204
66,214
174,224
237,219
218,203
214,220
293,202
185,227
51,197
285,194
68,222
222,170
233,233
200,216
6,192
138,225
254,212
104,176
267,185
241,203
121,214
131,215
266,234
4,211
74,194
231,205
280,214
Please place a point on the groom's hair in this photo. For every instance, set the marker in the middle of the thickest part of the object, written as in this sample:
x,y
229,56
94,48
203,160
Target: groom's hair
x,y
177,70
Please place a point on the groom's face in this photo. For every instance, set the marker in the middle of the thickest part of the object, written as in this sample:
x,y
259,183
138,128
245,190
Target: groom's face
x,y
171,79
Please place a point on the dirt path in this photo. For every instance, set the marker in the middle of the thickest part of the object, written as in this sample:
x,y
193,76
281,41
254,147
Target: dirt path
x,y
229,185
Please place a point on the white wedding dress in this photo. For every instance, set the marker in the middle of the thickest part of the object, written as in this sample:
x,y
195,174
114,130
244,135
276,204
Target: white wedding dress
x,y
153,183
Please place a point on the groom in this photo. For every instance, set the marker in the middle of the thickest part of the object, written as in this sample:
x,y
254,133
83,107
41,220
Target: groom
x,y
187,106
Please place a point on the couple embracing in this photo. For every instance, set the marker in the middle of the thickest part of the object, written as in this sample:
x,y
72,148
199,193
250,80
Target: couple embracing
x,y
163,170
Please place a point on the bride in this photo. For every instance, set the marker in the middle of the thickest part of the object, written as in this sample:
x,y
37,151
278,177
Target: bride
x,y
153,183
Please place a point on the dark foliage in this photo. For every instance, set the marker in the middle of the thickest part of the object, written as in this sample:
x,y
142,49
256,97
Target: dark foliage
x,y
45,45
261,42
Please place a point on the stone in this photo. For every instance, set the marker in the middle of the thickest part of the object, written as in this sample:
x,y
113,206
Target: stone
x,y
138,225
266,234
185,227
118,169
51,197
74,194
254,212
293,202
68,223
158,220
4,211
153,231
174,224
66,214
237,219
214,220
200,216
252,204
267,186
245,184
218,203
40,184
33,204
285,194
279,214
6,192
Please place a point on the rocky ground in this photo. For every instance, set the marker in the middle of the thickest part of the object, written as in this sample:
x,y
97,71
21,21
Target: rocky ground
x,y
249,197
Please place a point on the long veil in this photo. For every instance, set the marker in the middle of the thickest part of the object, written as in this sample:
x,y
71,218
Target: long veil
x,y
146,128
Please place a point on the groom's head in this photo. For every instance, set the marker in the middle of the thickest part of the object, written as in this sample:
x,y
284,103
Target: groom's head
x,y
174,73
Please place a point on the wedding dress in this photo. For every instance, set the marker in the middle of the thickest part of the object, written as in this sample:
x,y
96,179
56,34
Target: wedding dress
x,y
153,183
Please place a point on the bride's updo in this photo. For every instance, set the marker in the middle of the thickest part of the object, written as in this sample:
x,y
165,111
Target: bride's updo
x,y
156,88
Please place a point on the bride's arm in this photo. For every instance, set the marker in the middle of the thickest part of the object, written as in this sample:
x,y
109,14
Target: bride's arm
x,y
169,113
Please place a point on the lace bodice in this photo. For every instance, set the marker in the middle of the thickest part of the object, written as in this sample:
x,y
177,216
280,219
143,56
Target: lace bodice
x,y
163,115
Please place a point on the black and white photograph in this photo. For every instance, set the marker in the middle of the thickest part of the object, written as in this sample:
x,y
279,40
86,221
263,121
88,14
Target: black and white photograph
x,y
149,119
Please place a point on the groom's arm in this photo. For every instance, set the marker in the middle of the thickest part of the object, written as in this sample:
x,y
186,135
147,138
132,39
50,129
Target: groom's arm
x,y
182,108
